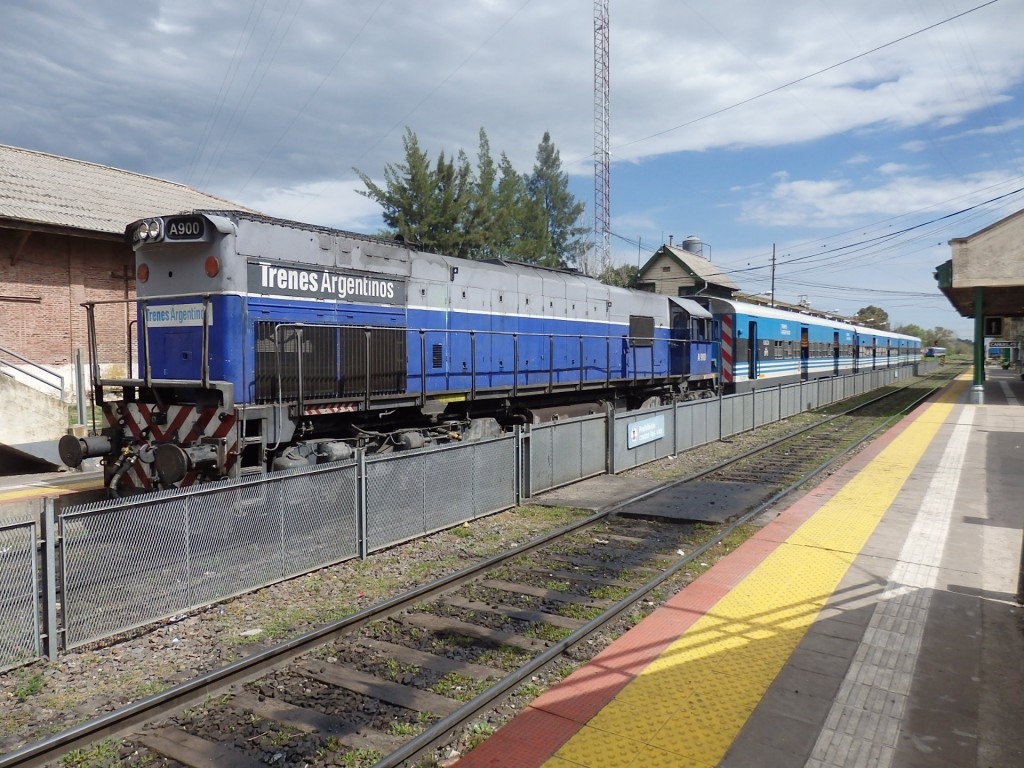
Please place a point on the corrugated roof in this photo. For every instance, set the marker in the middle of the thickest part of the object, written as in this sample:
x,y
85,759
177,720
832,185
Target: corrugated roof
x,y
702,267
43,189
695,263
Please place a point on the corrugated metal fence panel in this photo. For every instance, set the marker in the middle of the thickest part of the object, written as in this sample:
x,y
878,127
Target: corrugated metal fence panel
x,y
697,423
541,463
737,414
766,406
566,456
826,391
594,451
566,451
19,595
732,415
792,400
128,564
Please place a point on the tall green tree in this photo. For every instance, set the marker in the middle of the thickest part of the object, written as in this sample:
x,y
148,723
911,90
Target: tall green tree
x,y
483,212
548,186
624,275
873,317
519,233
408,192
450,207
911,330
492,212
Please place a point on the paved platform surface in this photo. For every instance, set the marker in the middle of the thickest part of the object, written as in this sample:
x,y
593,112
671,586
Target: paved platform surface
x,y
872,623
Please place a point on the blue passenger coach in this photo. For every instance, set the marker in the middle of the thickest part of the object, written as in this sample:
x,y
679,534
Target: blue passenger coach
x,y
768,344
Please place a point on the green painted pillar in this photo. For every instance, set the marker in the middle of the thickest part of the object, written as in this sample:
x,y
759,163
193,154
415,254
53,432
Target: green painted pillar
x,y
978,390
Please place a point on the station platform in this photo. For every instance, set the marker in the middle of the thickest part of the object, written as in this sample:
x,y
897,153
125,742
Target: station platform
x,y
872,623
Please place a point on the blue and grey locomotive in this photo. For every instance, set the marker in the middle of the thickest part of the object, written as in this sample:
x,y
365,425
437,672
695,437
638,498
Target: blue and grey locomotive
x,y
268,344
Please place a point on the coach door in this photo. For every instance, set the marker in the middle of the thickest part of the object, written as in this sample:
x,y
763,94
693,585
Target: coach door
x,y
805,354
752,350
835,353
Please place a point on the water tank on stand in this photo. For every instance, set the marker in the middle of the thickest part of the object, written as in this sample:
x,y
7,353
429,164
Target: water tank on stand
x,y
693,244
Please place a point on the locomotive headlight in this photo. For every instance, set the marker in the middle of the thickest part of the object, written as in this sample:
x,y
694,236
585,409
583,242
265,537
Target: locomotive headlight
x,y
142,273
149,229
212,266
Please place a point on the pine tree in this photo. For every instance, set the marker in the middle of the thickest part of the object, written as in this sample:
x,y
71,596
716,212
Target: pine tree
x,y
492,213
548,186
408,193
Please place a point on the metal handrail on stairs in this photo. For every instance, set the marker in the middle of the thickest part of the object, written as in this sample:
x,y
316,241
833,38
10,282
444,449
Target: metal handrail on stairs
x,y
31,371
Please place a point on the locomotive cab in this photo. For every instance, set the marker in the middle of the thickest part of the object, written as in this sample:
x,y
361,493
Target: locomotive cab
x,y
692,348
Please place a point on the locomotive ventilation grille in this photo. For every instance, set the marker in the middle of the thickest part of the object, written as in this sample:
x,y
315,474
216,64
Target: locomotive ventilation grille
x,y
330,362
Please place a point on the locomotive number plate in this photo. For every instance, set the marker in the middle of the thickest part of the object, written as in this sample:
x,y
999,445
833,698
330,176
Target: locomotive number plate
x,y
185,228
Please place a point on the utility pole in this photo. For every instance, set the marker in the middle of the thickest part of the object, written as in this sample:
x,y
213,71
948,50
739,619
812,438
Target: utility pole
x,y
602,149
773,276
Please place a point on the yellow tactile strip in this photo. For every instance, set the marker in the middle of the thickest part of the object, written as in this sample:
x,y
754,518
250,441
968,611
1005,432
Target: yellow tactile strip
x,y
687,706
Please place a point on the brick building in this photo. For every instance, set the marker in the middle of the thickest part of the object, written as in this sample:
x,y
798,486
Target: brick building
x,y
62,243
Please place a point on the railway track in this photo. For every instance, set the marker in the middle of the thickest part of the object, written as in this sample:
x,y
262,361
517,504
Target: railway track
x,y
397,681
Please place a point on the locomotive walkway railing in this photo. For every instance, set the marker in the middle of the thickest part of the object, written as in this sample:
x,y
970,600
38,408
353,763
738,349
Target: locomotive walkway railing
x,y
128,562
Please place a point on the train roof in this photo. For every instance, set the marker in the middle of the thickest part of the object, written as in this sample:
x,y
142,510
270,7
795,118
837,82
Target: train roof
x,y
568,274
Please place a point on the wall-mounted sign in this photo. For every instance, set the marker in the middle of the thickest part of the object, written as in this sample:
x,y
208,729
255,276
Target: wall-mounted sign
x,y
645,431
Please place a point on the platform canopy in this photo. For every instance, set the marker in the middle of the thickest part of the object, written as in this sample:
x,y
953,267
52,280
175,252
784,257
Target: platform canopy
x,y
987,266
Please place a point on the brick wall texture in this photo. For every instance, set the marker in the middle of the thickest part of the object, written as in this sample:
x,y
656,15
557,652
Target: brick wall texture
x,y
45,278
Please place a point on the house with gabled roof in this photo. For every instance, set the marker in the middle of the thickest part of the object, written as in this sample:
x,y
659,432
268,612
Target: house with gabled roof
x,y
684,271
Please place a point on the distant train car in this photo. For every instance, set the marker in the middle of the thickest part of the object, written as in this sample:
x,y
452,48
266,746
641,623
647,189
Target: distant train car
x,y
766,344
935,352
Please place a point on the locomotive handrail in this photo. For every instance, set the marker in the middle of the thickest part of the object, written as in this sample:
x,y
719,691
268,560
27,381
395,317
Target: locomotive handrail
x,y
517,370
144,342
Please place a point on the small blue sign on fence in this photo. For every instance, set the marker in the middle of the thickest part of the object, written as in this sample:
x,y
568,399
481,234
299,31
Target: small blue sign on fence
x,y
646,431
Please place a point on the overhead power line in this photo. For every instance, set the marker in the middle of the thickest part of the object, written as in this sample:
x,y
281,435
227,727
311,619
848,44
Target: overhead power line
x,y
807,77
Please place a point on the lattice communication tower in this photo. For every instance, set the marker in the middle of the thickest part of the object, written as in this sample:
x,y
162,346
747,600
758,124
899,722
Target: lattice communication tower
x,y
602,162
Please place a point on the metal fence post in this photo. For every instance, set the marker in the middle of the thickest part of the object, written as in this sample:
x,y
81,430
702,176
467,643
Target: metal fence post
x,y
675,427
609,440
522,464
51,632
362,546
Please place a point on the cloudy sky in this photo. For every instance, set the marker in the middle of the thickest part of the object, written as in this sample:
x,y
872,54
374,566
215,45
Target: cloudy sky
x,y
854,138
